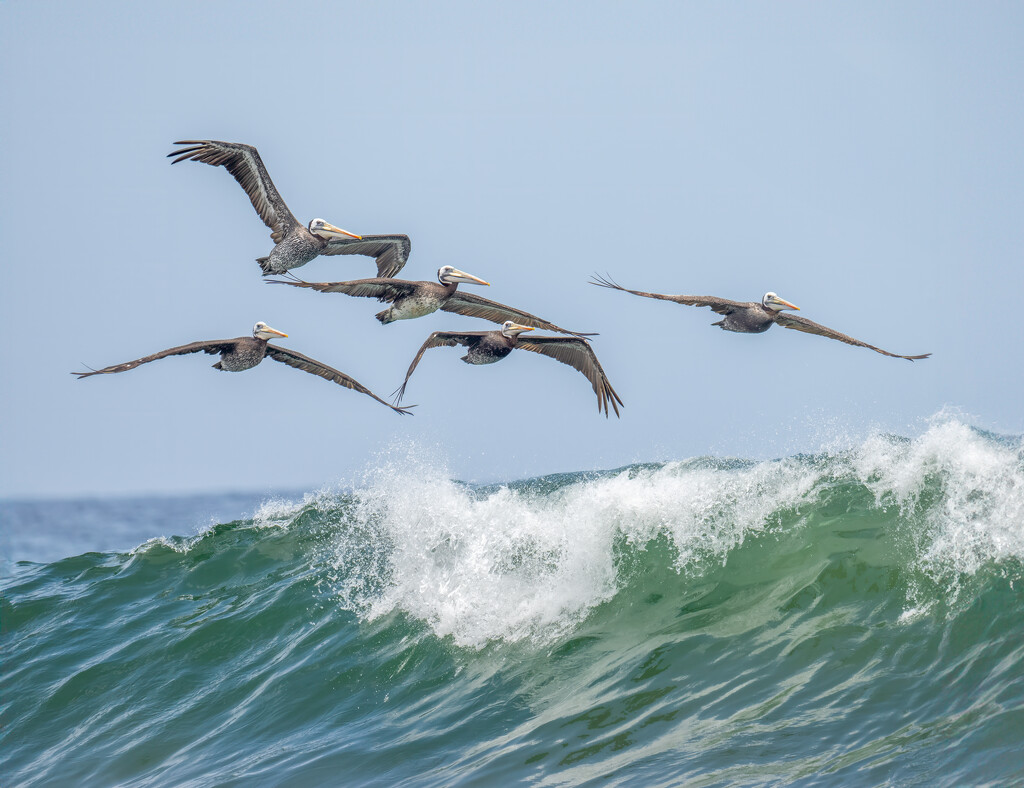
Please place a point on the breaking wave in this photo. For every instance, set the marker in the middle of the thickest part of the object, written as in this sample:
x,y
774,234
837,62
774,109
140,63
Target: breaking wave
x,y
849,617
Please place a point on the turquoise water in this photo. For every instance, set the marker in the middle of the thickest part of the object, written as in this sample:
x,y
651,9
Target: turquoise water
x,y
849,618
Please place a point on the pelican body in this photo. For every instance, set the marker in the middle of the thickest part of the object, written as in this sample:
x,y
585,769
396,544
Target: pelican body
x,y
753,317
488,347
491,347
242,353
427,297
294,244
301,245
410,300
245,353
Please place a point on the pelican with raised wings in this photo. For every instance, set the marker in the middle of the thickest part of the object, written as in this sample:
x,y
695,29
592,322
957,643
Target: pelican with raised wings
x,y
415,299
753,317
295,244
242,353
487,347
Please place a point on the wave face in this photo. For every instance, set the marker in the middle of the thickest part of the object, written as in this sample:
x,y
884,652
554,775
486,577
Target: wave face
x,y
849,618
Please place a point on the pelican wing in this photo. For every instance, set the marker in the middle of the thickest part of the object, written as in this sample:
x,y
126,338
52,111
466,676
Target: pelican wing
x,y
722,306
382,289
439,339
810,327
213,347
307,364
474,306
391,251
577,353
245,164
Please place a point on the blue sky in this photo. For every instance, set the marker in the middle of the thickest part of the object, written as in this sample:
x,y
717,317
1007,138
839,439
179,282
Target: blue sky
x,y
863,160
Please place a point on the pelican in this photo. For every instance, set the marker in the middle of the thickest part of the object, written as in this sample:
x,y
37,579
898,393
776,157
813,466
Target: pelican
x,y
295,245
751,317
487,347
415,299
241,353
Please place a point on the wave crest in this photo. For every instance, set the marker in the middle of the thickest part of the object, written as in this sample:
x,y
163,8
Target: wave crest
x,y
961,490
531,559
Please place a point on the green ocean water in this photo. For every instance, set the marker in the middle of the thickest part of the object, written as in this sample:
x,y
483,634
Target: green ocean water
x,y
849,618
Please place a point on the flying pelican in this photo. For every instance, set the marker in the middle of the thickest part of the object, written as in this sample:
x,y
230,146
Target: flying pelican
x,y
295,245
751,317
415,299
487,347
244,353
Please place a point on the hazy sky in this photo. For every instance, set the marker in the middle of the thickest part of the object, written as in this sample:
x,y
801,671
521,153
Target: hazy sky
x,y
863,160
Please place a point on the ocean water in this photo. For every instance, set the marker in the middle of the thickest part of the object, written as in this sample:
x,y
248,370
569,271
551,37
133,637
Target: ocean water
x,y
853,617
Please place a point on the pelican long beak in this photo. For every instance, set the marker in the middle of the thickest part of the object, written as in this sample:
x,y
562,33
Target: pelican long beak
x,y
462,276
520,329
786,303
269,330
330,229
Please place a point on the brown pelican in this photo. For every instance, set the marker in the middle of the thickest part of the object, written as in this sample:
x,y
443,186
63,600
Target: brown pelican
x,y
244,353
295,245
486,347
751,317
415,299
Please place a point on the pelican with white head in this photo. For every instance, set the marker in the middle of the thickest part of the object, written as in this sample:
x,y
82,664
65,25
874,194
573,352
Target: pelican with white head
x,y
328,231
776,304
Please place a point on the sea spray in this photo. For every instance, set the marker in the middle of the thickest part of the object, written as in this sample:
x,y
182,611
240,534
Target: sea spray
x,y
529,560
960,498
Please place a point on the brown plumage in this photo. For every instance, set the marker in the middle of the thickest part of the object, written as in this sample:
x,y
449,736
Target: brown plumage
x,y
295,244
488,347
416,299
752,317
242,353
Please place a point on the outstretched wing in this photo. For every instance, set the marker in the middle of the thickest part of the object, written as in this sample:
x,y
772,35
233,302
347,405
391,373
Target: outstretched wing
x,y
474,306
810,327
307,364
245,164
213,347
381,289
722,306
439,339
391,251
577,353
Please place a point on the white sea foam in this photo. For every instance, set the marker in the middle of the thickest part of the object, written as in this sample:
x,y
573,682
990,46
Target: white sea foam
x,y
280,512
509,564
512,564
966,489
